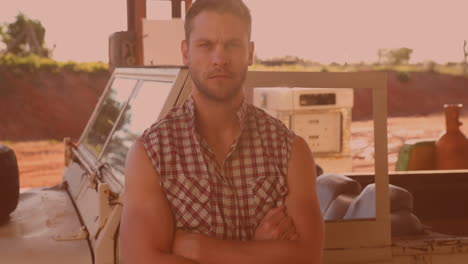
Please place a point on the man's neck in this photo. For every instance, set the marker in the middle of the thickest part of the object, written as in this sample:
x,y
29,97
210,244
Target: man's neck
x,y
214,117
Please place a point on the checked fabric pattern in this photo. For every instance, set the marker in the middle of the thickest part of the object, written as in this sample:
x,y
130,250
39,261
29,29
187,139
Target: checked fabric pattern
x,y
223,202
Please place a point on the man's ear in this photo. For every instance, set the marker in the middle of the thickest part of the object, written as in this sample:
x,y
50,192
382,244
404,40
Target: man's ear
x,y
184,49
251,52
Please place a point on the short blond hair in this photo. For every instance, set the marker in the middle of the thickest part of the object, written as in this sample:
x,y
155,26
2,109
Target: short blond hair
x,y
233,7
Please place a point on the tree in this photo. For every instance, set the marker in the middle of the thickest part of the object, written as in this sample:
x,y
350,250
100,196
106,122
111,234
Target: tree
x,y
1,37
465,54
395,56
25,37
381,53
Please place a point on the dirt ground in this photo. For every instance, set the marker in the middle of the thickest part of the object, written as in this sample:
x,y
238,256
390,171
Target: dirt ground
x,y
41,163
400,129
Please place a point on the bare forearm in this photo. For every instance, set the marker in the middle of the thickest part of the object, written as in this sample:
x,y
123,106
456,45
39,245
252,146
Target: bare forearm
x,y
214,251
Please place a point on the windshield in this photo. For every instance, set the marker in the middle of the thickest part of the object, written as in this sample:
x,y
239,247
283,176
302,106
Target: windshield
x,y
107,115
142,110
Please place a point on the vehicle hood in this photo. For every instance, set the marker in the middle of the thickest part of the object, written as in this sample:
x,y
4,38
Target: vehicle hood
x,y
44,228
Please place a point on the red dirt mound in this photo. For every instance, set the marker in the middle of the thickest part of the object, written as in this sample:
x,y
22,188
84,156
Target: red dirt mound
x,y
45,105
422,93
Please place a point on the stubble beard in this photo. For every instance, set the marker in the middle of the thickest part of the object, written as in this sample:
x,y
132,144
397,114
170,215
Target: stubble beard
x,y
231,92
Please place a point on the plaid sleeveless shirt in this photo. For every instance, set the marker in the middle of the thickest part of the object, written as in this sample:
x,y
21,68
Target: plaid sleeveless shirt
x,y
228,202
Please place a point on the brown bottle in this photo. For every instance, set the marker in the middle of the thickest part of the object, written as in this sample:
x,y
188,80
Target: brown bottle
x,y
452,146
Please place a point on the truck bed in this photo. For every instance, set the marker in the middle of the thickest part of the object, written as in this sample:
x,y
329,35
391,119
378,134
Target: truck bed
x,y
440,198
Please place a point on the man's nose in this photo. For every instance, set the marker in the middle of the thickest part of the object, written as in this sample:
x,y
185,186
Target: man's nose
x,y
220,55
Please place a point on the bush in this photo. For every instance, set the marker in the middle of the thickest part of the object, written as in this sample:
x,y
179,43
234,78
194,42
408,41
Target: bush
x,y
34,63
403,76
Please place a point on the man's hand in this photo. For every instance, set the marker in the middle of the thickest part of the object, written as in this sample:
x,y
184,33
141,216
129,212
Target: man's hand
x,y
276,225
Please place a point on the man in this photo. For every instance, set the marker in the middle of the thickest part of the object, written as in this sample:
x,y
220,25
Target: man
x,y
217,180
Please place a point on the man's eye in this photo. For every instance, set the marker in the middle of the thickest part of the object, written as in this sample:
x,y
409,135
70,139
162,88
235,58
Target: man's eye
x,y
204,45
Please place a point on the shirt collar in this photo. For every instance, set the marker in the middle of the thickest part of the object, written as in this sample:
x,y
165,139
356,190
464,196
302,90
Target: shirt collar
x,y
190,111
200,143
240,113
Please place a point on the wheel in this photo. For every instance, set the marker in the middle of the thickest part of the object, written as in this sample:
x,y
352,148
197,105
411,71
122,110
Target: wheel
x,y
9,182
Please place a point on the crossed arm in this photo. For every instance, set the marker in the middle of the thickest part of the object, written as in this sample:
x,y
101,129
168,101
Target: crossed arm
x,y
147,224
291,235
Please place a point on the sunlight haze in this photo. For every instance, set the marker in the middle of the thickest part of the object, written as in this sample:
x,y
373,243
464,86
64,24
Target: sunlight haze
x,y
324,31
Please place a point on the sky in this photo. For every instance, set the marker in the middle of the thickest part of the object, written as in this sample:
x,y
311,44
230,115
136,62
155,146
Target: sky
x,y
319,30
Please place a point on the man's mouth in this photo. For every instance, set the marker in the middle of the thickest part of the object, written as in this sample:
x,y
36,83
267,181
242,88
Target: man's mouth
x,y
220,76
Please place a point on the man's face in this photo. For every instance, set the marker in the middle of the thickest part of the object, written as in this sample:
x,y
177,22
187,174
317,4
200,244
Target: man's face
x,y
218,54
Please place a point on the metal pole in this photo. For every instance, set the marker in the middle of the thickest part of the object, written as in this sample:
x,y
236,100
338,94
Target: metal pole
x,y
140,14
131,16
136,12
176,8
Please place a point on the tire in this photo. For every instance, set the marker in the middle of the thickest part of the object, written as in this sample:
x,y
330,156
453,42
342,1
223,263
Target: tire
x,y
9,182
